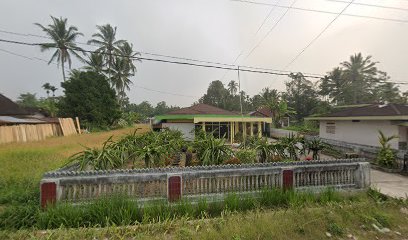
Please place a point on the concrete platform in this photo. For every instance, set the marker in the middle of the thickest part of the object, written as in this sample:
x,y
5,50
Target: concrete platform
x,y
391,184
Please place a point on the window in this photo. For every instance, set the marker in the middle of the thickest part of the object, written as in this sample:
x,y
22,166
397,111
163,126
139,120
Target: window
x,y
330,128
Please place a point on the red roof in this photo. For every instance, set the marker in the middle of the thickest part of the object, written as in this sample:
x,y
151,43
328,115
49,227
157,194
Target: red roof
x,y
201,109
262,112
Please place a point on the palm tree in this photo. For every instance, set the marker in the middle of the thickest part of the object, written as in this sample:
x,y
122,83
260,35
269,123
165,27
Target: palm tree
x,y
121,72
233,87
105,39
360,72
47,88
126,51
335,86
53,89
95,63
63,37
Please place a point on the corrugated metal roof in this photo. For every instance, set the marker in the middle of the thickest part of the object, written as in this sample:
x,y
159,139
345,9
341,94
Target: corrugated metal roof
x,y
9,119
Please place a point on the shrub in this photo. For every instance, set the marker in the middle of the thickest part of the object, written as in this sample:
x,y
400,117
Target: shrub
x,y
246,155
386,156
211,150
233,160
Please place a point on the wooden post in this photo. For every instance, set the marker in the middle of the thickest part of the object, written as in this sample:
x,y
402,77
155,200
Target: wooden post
x,y
259,129
252,129
78,126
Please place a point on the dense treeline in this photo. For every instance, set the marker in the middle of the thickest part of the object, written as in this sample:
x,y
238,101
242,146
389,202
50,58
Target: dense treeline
x,y
356,81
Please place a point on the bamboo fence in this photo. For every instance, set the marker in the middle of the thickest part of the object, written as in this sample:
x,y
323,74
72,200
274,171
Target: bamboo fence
x,y
37,132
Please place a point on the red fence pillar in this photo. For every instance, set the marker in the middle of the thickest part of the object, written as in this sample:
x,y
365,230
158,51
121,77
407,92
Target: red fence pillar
x,y
287,176
48,193
174,188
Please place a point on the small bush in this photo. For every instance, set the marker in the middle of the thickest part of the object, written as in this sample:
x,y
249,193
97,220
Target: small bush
x,y
233,160
246,155
335,229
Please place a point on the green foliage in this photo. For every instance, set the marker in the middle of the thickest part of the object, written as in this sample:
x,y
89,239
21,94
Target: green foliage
x,y
316,145
293,146
386,156
211,150
28,100
307,127
335,229
121,210
151,147
246,155
301,96
89,97
64,43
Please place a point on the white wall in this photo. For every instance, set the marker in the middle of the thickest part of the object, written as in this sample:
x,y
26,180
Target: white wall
x,y
186,128
363,132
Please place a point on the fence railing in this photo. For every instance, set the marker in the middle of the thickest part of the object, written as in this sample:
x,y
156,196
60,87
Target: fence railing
x,y
201,181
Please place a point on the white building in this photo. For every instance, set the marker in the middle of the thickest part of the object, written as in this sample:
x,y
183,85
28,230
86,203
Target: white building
x,y
361,125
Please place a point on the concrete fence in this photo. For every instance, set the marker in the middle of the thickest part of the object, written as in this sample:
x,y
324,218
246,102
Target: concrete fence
x,y
203,181
280,133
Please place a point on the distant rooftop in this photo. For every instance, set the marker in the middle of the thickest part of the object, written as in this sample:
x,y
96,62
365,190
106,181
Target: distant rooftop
x,y
369,111
10,108
201,109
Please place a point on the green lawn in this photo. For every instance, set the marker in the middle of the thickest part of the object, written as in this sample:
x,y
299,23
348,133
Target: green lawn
x,y
313,222
28,161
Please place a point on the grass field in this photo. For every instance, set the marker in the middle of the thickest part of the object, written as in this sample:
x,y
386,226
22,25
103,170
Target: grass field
x,y
346,220
28,161
23,164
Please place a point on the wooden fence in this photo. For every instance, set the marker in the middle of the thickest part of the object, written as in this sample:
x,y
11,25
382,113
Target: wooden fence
x,y
28,132
204,181
37,132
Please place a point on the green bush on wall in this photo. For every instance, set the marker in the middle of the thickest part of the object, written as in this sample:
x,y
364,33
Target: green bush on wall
x,y
246,155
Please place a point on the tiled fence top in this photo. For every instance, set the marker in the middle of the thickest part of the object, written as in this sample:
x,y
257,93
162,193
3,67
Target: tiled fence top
x,y
66,173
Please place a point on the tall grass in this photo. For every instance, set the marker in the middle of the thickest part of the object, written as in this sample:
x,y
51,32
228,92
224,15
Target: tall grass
x,y
120,210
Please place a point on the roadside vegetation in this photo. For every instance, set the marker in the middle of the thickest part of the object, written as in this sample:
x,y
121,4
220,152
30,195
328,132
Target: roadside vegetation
x,y
276,214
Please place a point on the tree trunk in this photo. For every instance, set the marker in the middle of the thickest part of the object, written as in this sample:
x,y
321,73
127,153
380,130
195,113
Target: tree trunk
x,y
63,69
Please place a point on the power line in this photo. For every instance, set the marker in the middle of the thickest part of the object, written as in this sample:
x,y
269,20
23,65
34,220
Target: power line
x,y
371,5
318,35
164,92
137,86
256,33
323,11
245,69
93,45
270,30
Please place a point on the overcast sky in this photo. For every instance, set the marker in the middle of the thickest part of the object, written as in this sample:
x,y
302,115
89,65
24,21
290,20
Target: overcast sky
x,y
211,30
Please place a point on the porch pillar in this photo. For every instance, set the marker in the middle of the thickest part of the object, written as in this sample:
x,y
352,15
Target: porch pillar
x,y
232,132
244,130
252,129
259,129
203,125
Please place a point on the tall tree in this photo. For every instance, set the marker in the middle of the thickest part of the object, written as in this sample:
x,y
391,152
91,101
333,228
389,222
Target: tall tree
x,y
95,63
27,100
216,95
63,37
301,96
233,87
105,39
89,96
120,79
361,74
47,88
